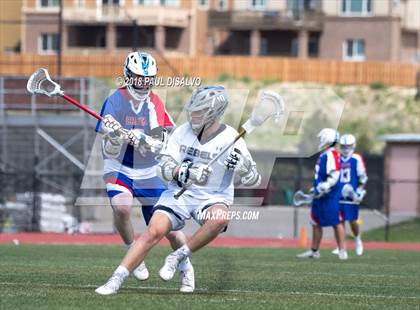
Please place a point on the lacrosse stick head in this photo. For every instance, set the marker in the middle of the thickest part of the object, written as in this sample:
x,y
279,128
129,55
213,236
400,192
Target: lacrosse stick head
x,y
40,83
270,104
300,198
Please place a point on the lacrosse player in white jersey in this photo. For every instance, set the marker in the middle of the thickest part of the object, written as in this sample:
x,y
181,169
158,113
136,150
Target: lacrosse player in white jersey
x,y
209,190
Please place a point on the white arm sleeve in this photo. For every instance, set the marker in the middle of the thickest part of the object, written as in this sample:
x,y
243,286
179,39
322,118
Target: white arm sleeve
x,y
361,170
333,171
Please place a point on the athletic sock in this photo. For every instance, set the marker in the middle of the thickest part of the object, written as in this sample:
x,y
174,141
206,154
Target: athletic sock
x,y
314,250
184,264
122,271
184,251
357,238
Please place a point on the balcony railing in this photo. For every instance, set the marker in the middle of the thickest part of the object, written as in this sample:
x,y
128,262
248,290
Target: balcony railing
x,y
116,14
266,20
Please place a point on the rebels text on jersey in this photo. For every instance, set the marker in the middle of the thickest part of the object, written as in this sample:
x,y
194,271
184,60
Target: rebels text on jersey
x,y
150,114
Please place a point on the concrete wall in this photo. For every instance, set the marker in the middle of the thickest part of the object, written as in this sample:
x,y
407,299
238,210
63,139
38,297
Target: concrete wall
x,y
382,39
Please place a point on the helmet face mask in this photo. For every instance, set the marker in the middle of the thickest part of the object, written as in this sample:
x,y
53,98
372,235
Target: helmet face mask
x,y
139,71
347,145
206,106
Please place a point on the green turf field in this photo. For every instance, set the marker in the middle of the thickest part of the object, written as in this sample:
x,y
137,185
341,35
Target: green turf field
x,y
408,231
64,277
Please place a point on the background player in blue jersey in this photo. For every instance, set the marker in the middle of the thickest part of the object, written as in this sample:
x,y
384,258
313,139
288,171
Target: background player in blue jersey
x,y
326,191
353,179
130,171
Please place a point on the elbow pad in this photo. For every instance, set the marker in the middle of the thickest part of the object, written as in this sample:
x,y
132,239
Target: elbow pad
x,y
252,178
111,147
363,179
165,169
333,178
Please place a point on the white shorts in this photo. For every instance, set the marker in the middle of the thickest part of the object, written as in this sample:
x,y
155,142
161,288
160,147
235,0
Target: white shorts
x,y
185,207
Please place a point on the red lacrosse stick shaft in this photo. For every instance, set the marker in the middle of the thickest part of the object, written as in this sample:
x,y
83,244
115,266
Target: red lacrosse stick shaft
x,y
84,108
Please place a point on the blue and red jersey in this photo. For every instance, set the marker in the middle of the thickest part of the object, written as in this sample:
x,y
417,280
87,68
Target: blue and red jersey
x,y
150,114
328,161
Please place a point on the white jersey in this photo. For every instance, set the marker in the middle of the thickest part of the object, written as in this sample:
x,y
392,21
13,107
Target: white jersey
x,y
184,145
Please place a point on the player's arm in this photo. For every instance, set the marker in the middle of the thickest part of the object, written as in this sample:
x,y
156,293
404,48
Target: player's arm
x,y
240,161
362,179
172,167
333,175
184,173
114,135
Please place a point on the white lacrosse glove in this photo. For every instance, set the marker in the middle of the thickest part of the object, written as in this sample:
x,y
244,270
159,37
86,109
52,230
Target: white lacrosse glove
x,y
322,188
245,168
114,130
144,143
189,173
360,194
237,162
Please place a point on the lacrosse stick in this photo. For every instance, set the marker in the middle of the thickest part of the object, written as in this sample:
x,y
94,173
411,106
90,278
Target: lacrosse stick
x,y
348,192
300,198
270,105
40,83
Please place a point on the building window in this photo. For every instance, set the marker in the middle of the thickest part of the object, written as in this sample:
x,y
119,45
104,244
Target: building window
x,y
110,2
257,4
48,43
147,2
203,4
356,7
49,3
221,5
354,50
168,2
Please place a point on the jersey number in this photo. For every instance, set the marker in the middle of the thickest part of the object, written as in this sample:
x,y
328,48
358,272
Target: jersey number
x,y
345,175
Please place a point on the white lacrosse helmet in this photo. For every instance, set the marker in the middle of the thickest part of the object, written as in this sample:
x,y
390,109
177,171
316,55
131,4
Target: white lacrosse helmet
x,y
327,137
140,70
207,104
347,145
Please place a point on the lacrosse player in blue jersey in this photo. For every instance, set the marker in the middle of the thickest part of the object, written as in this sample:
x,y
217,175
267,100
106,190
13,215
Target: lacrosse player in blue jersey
x,y
353,179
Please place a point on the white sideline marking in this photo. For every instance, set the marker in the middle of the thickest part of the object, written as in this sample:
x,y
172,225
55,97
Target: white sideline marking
x,y
92,286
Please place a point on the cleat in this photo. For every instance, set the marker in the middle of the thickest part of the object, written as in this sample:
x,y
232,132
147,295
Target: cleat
x,y
309,254
168,270
342,254
111,286
335,251
141,273
187,280
359,248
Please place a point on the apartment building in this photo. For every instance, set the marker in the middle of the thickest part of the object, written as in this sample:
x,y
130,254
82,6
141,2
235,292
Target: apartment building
x,y
10,12
352,30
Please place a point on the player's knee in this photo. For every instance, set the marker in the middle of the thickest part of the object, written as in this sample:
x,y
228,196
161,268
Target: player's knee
x,y
219,223
153,235
122,211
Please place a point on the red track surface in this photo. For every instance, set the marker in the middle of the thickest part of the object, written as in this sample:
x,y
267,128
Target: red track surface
x,y
51,238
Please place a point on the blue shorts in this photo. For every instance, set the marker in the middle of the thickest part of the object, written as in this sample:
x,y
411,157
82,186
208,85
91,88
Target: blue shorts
x,y
349,212
147,191
325,212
